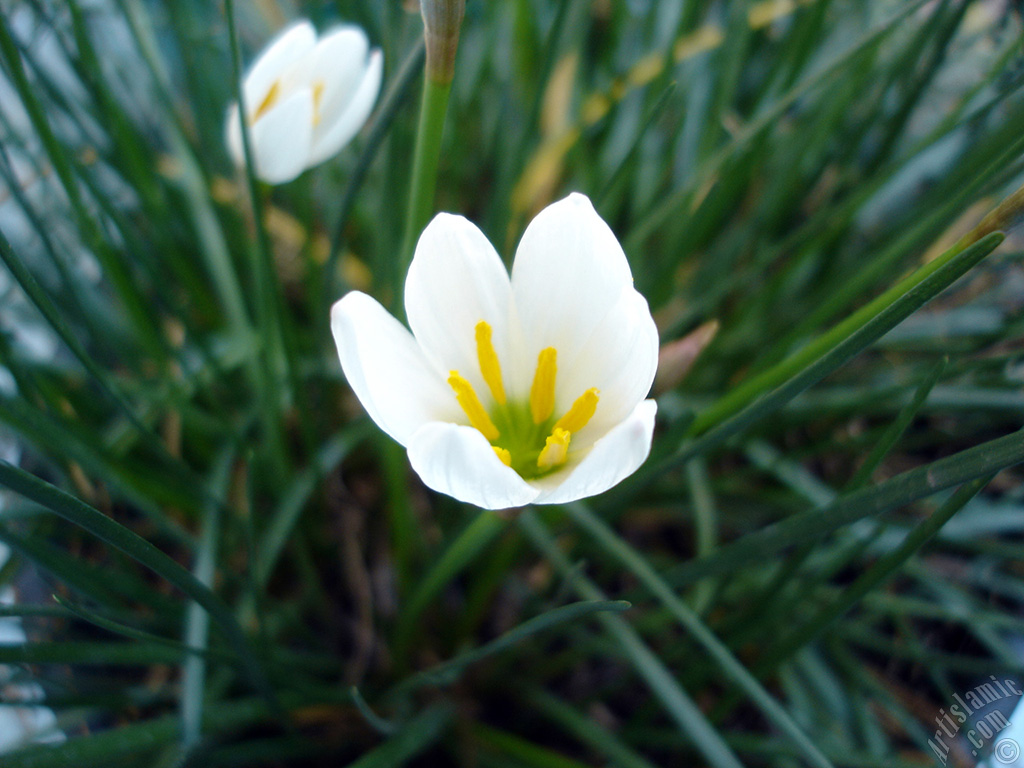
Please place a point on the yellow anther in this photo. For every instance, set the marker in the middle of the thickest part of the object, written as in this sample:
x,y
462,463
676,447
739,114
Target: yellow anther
x,y
268,101
504,455
490,368
542,393
556,448
582,411
318,94
471,404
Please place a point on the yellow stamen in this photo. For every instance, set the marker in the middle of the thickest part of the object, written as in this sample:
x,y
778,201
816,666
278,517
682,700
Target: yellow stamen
x,y
471,404
489,365
542,393
582,411
268,101
504,455
318,93
556,448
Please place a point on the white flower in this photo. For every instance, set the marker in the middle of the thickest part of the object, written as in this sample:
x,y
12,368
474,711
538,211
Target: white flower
x,y
511,391
305,99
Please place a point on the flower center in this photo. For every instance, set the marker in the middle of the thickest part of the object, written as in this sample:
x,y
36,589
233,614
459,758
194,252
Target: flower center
x,y
524,435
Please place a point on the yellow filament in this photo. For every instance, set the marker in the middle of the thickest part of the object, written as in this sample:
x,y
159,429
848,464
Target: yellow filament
x,y
318,93
542,393
504,455
582,411
556,448
490,368
268,101
471,404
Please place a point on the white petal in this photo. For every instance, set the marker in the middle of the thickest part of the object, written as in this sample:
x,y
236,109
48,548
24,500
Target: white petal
x,y
569,269
333,134
459,461
290,46
338,62
457,279
620,358
281,138
612,459
386,369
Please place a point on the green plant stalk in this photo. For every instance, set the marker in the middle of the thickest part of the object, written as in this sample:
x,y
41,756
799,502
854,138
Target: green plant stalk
x,y
433,108
391,103
741,396
268,312
473,539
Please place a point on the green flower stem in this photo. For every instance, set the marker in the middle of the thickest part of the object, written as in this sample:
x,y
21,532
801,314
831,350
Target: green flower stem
x,y
421,207
392,103
460,553
276,370
424,165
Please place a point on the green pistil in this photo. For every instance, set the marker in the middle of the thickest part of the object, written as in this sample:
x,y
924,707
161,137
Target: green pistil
x,y
523,439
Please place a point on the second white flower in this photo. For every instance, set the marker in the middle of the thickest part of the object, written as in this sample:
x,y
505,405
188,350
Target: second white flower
x,y
305,99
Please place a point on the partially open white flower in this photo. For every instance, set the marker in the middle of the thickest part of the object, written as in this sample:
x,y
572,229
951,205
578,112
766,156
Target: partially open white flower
x,y
305,99
511,392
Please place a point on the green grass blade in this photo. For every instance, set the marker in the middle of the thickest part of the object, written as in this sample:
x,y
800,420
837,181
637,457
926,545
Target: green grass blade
x,y
913,485
677,703
715,648
448,672
140,550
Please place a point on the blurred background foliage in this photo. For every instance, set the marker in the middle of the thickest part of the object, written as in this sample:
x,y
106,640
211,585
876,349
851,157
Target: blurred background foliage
x,y
219,561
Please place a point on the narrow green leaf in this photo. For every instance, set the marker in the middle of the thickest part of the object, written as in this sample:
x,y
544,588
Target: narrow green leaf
x,y
874,576
715,648
285,517
915,484
473,539
77,653
588,731
448,672
79,513
147,638
104,748
896,429
677,703
415,736
525,752
863,327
